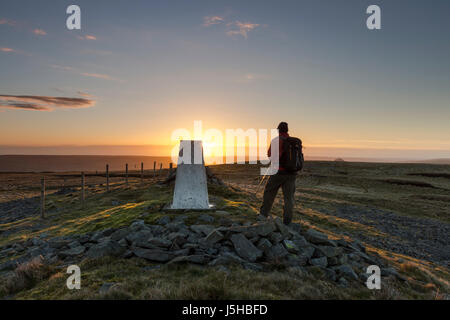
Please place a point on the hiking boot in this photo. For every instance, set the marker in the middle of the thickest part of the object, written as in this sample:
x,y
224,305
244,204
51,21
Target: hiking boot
x,y
262,217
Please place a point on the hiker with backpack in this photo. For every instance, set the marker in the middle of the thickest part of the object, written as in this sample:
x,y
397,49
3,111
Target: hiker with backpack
x,y
290,162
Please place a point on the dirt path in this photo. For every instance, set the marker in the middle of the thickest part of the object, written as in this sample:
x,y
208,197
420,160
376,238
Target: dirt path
x,y
420,238
14,210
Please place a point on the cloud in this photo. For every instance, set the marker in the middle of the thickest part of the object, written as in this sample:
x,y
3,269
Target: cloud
x,y
43,103
84,94
8,22
7,50
67,68
26,106
87,37
39,32
22,26
211,20
97,75
241,28
11,50
86,74
233,27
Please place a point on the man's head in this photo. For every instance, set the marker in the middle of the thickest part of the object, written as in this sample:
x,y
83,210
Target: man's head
x,y
283,127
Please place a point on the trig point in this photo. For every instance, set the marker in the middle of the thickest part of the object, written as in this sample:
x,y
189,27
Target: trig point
x,y
191,188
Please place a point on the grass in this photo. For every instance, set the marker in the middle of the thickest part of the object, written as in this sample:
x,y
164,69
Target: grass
x,y
320,188
26,276
195,282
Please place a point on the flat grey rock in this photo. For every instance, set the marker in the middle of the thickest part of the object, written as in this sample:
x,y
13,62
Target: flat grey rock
x,y
317,237
73,252
329,251
197,259
153,254
202,229
105,248
276,252
244,248
320,262
214,237
264,229
206,218
346,270
264,244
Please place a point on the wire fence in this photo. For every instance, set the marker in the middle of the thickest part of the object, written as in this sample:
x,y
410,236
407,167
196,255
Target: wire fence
x,y
81,182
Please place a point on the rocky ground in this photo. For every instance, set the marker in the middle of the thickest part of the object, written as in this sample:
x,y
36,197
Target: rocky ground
x,y
324,253
15,210
422,238
253,246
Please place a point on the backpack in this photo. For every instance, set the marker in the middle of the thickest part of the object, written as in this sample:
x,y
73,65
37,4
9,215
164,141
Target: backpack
x,y
292,154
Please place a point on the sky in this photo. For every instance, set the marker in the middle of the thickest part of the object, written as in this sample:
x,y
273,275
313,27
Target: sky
x,y
138,70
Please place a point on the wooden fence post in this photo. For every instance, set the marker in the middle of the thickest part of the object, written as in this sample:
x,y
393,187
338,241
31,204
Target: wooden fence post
x,y
43,197
82,189
142,172
107,178
170,169
126,173
160,168
154,169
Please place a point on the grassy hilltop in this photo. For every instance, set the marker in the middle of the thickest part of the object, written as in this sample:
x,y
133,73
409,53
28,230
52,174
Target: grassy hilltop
x,y
399,213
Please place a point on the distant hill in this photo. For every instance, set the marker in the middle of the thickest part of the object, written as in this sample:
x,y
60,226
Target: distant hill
x,y
380,160
433,161
59,163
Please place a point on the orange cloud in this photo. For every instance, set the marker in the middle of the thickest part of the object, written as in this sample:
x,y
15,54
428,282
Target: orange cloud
x,y
84,94
98,75
39,32
15,51
43,103
87,37
211,20
243,28
86,74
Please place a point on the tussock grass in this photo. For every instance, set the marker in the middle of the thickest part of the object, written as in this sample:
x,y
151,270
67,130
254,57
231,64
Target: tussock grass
x,y
26,275
132,280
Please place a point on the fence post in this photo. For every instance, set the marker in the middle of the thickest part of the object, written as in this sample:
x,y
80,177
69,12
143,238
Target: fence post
x,y
154,169
170,169
160,168
142,172
43,197
82,188
126,173
107,178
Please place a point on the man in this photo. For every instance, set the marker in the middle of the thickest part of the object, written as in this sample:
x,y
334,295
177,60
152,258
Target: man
x,y
284,178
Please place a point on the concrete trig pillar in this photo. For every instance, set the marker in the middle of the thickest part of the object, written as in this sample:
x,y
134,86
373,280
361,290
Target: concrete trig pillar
x,y
191,188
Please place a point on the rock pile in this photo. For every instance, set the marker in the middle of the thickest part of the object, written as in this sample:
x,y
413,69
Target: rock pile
x,y
257,246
